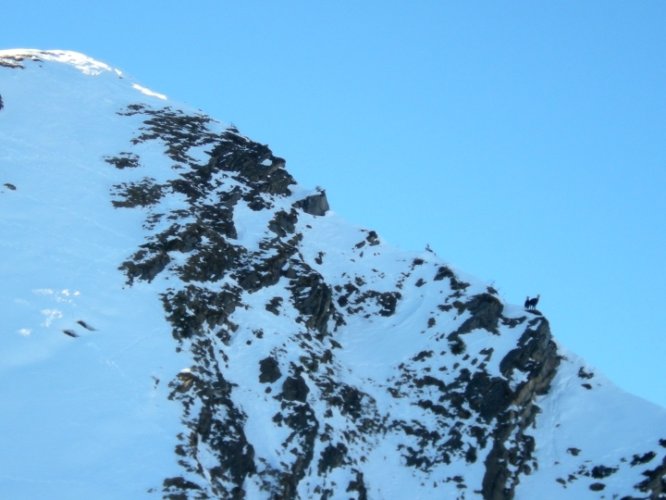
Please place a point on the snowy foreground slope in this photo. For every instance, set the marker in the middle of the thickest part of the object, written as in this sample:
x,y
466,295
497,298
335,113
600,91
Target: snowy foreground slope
x,y
182,319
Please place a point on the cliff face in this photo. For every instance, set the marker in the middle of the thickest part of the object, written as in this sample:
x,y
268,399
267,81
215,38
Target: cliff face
x,y
309,359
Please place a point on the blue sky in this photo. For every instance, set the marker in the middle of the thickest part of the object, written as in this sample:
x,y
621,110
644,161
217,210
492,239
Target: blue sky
x,y
523,141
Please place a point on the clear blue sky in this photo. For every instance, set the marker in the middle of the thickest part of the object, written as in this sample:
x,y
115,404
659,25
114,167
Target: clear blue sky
x,y
524,141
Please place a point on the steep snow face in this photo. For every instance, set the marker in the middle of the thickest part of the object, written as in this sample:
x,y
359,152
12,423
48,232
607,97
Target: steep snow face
x,y
578,434
83,358
183,319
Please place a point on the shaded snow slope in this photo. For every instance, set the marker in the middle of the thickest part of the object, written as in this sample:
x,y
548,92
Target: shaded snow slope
x,y
79,413
183,319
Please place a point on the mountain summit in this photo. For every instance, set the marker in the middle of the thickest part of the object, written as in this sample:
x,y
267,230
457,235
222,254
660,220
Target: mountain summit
x,y
182,319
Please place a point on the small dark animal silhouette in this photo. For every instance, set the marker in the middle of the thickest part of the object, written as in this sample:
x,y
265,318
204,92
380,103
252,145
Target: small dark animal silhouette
x,y
530,304
71,333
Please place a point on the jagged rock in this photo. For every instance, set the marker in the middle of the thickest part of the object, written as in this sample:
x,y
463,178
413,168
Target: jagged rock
x,y
643,459
313,299
490,396
315,204
269,370
485,312
358,485
138,194
283,223
331,457
538,356
655,482
295,389
123,160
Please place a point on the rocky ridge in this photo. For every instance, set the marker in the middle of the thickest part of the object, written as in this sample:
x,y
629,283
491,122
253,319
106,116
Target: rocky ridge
x,y
318,362
470,412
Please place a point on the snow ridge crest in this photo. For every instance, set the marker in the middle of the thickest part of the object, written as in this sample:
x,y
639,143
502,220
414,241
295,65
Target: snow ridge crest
x,y
84,63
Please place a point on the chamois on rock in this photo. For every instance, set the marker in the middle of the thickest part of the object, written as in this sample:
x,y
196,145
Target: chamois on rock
x,y
530,304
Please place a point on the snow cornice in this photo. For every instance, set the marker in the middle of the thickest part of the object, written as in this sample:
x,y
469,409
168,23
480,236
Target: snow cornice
x,y
82,62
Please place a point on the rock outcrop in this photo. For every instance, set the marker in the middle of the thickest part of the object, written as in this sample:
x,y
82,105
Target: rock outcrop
x,y
490,409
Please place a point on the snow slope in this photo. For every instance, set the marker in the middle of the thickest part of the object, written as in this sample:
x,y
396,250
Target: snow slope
x,y
87,411
182,319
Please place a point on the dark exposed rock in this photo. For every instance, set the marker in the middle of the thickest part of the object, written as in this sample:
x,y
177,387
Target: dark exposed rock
x,y
536,355
302,420
294,388
283,223
584,374
642,459
193,311
138,194
174,488
358,485
485,312
331,457
274,305
178,131
14,61
315,204
123,160
372,238
217,426
269,370
313,298
254,165
422,355
601,471
387,301
145,265
655,481
490,396
443,272
350,401
513,322
446,272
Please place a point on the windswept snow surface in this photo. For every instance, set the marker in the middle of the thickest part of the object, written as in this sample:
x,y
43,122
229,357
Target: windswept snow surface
x,y
587,423
85,413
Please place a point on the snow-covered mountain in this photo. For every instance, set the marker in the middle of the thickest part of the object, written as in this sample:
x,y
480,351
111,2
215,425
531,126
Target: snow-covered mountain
x,y
182,319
